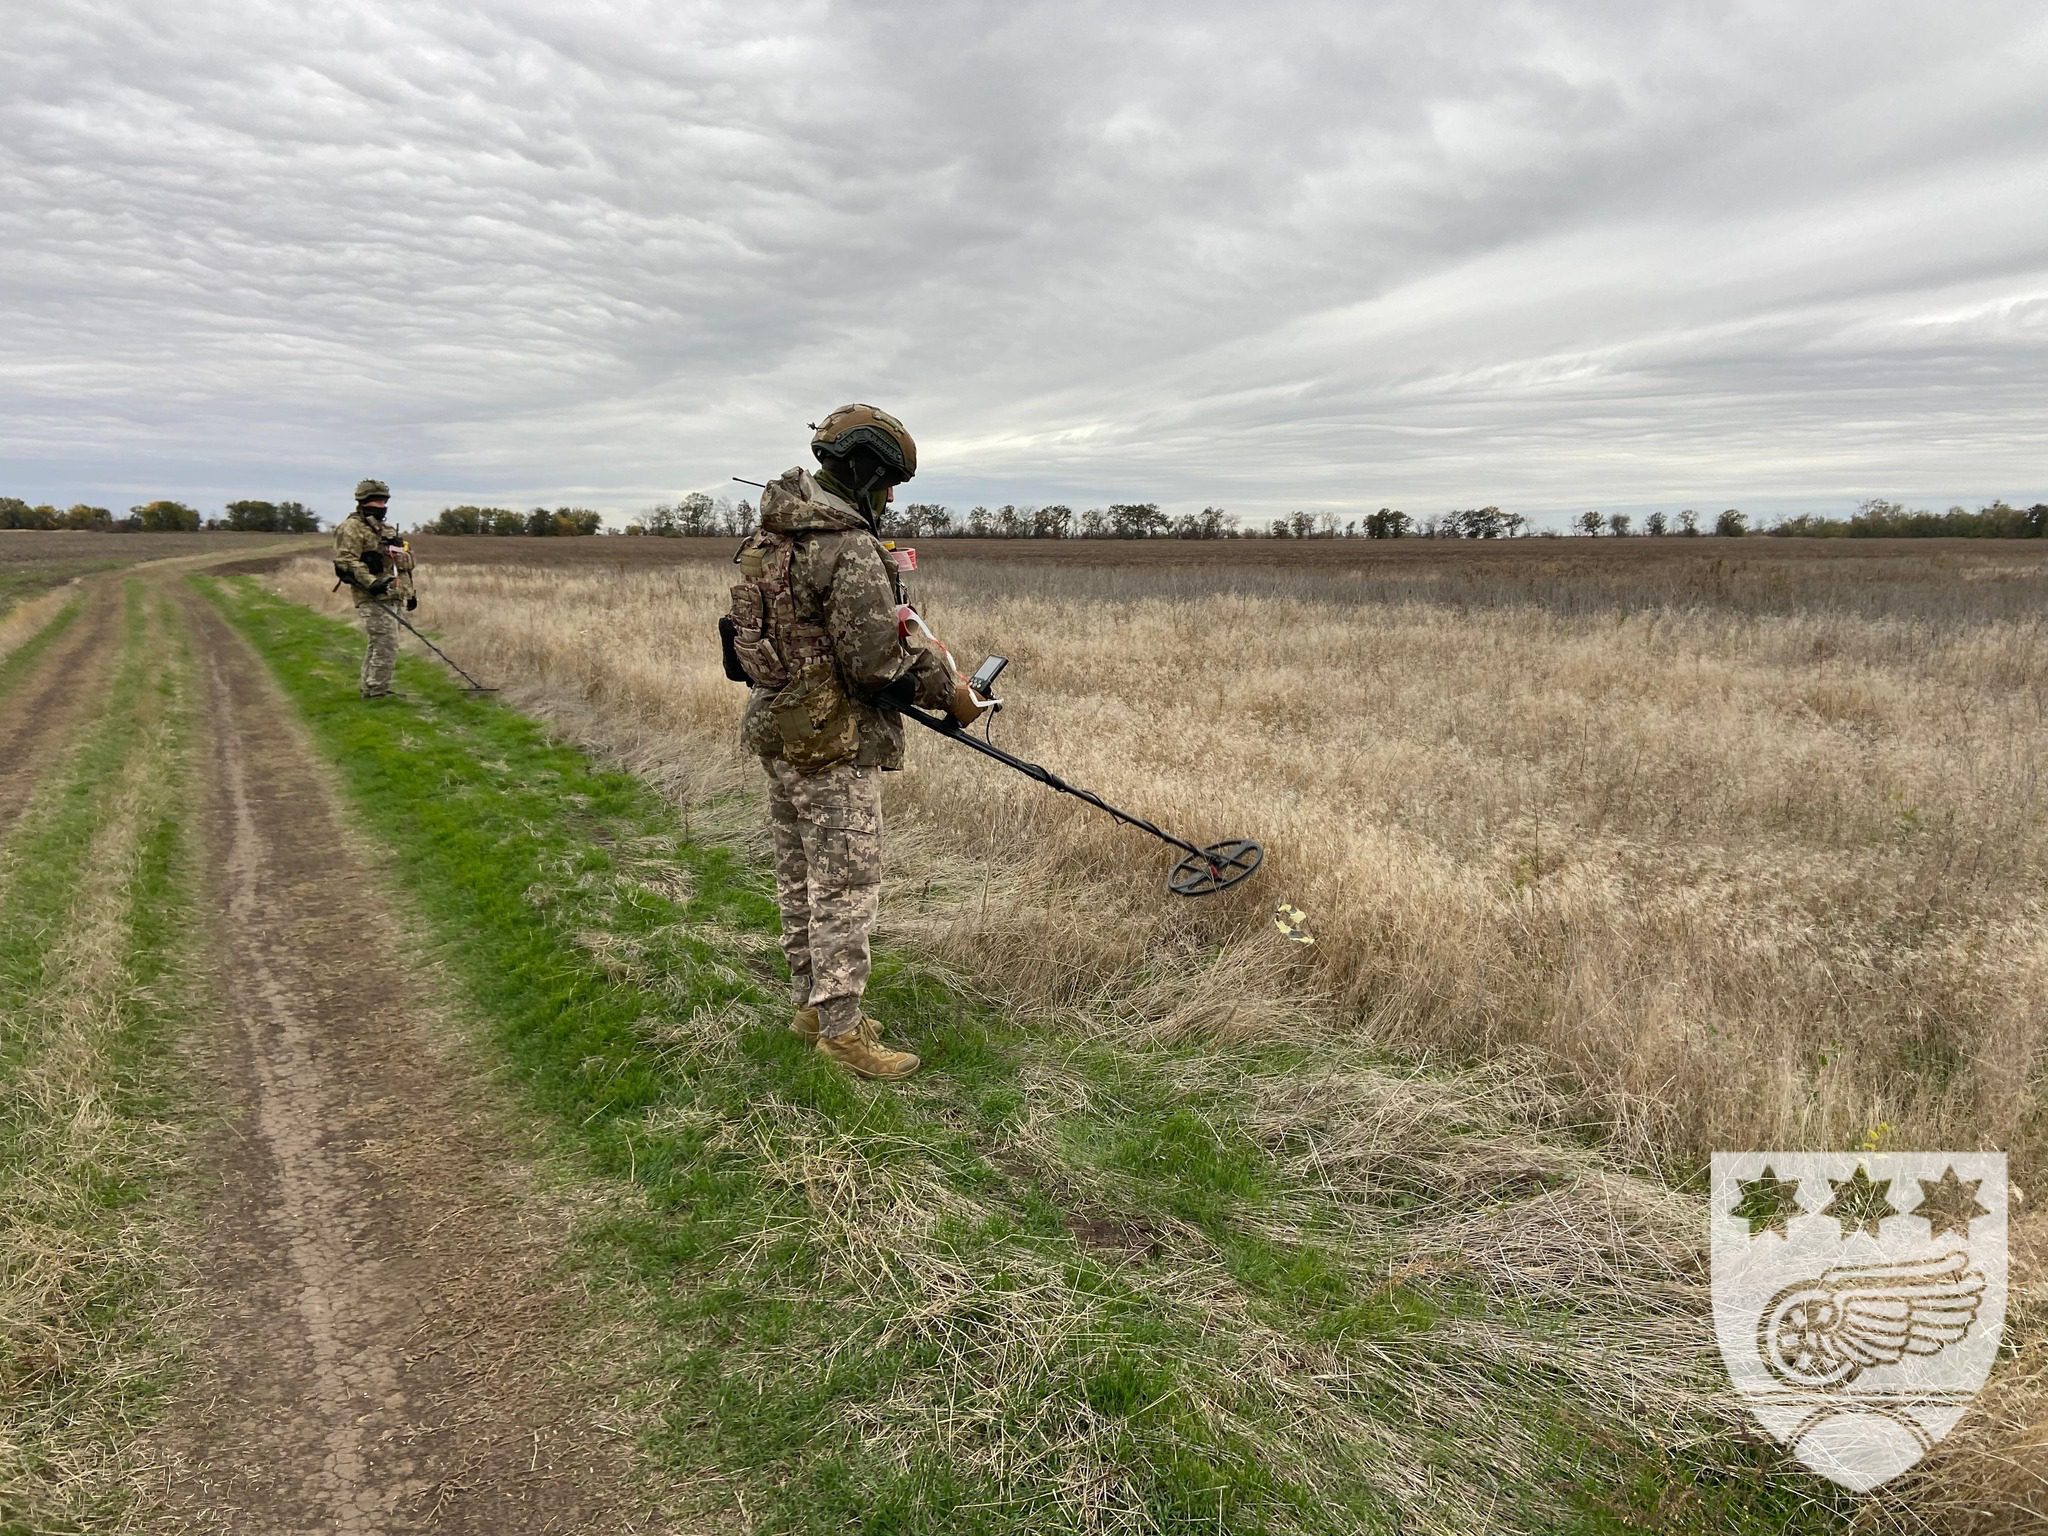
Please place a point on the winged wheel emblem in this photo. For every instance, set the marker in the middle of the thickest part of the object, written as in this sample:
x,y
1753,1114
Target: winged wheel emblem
x,y
1828,1331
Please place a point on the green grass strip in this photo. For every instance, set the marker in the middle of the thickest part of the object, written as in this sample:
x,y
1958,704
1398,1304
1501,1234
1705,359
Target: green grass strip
x,y
873,1322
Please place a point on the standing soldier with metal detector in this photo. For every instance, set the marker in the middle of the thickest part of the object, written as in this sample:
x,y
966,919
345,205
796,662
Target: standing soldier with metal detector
x,y
818,628
371,558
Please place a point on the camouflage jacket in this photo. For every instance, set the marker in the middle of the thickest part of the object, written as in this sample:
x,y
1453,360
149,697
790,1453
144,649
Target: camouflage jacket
x,y
842,579
361,560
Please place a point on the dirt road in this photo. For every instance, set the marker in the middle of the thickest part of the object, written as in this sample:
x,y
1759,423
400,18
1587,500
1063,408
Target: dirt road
x,y
382,1345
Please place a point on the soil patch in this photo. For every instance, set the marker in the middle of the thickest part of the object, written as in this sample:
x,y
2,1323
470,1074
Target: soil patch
x,y
1138,1238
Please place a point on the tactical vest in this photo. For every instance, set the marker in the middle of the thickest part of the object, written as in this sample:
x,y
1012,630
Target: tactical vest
x,y
390,556
789,657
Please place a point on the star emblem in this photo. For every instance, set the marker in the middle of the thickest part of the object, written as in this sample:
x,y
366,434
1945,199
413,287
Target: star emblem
x,y
1861,1203
1949,1204
1768,1203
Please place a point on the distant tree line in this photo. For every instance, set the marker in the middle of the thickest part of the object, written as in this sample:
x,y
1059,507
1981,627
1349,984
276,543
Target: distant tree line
x,y
268,517
504,522
164,517
698,515
1145,520
1391,523
1892,520
1872,520
1729,524
1120,520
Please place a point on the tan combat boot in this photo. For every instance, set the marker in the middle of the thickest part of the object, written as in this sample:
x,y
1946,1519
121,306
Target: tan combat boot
x,y
863,1054
805,1026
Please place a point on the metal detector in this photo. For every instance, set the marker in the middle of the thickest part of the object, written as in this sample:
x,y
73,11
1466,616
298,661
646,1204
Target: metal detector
x,y
474,685
1202,873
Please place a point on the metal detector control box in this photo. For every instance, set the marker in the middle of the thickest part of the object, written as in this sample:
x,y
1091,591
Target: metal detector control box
x,y
983,682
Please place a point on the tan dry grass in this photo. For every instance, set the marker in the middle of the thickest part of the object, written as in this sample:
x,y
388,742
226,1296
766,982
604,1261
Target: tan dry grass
x,y
1752,881
1755,872
24,621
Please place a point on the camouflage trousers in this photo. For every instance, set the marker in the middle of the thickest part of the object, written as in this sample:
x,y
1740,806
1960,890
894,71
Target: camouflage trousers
x,y
381,624
828,881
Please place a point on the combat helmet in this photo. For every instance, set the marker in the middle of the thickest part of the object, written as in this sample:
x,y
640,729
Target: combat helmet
x,y
372,490
872,441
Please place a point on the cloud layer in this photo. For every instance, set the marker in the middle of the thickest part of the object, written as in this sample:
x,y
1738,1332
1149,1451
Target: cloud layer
x,y
1301,255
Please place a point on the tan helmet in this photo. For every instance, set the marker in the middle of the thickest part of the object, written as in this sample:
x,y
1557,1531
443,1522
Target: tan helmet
x,y
854,427
372,490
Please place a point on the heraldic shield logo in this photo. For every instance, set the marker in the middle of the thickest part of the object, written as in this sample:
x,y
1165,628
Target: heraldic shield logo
x,y
1859,1298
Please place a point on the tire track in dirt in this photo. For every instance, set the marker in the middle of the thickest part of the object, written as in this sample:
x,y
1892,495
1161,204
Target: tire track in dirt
x,y
380,1348
39,715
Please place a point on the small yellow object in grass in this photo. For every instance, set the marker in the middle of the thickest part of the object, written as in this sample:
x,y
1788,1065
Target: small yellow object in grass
x,y
1292,923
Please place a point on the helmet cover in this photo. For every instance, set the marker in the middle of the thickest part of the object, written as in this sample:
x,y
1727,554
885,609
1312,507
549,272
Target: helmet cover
x,y
853,427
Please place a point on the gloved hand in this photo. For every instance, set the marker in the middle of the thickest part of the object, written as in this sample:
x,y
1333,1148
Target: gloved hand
x,y
380,586
963,709
411,603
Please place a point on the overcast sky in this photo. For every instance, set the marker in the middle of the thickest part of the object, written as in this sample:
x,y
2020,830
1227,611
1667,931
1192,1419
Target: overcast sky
x,y
1545,256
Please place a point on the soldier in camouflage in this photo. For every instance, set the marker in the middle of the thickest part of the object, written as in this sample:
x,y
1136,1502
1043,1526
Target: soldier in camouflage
x,y
372,560
816,630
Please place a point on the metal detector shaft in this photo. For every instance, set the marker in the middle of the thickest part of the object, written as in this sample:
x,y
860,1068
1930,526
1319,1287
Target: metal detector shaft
x,y
1202,873
1047,777
473,683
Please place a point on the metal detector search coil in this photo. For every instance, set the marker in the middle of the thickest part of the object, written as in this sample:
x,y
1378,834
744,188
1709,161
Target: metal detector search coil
x,y
1216,868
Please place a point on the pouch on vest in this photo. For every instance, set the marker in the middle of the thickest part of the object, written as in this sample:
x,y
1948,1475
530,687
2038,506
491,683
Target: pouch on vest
x,y
815,720
750,646
728,657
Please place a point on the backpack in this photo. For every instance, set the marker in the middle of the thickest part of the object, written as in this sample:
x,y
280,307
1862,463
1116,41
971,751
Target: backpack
x,y
767,645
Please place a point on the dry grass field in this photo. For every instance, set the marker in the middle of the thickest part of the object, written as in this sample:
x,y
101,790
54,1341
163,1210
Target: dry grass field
x,y
1675,845
1747,839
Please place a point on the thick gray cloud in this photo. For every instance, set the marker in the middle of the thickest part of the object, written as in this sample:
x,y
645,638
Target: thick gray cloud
x,y
1546,256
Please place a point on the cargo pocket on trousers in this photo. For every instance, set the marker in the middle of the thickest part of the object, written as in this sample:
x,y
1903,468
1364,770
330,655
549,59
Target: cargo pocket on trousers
x,y
849,821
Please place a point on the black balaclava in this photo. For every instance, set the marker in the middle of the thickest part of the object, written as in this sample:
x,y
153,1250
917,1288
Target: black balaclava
x,y
863,477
